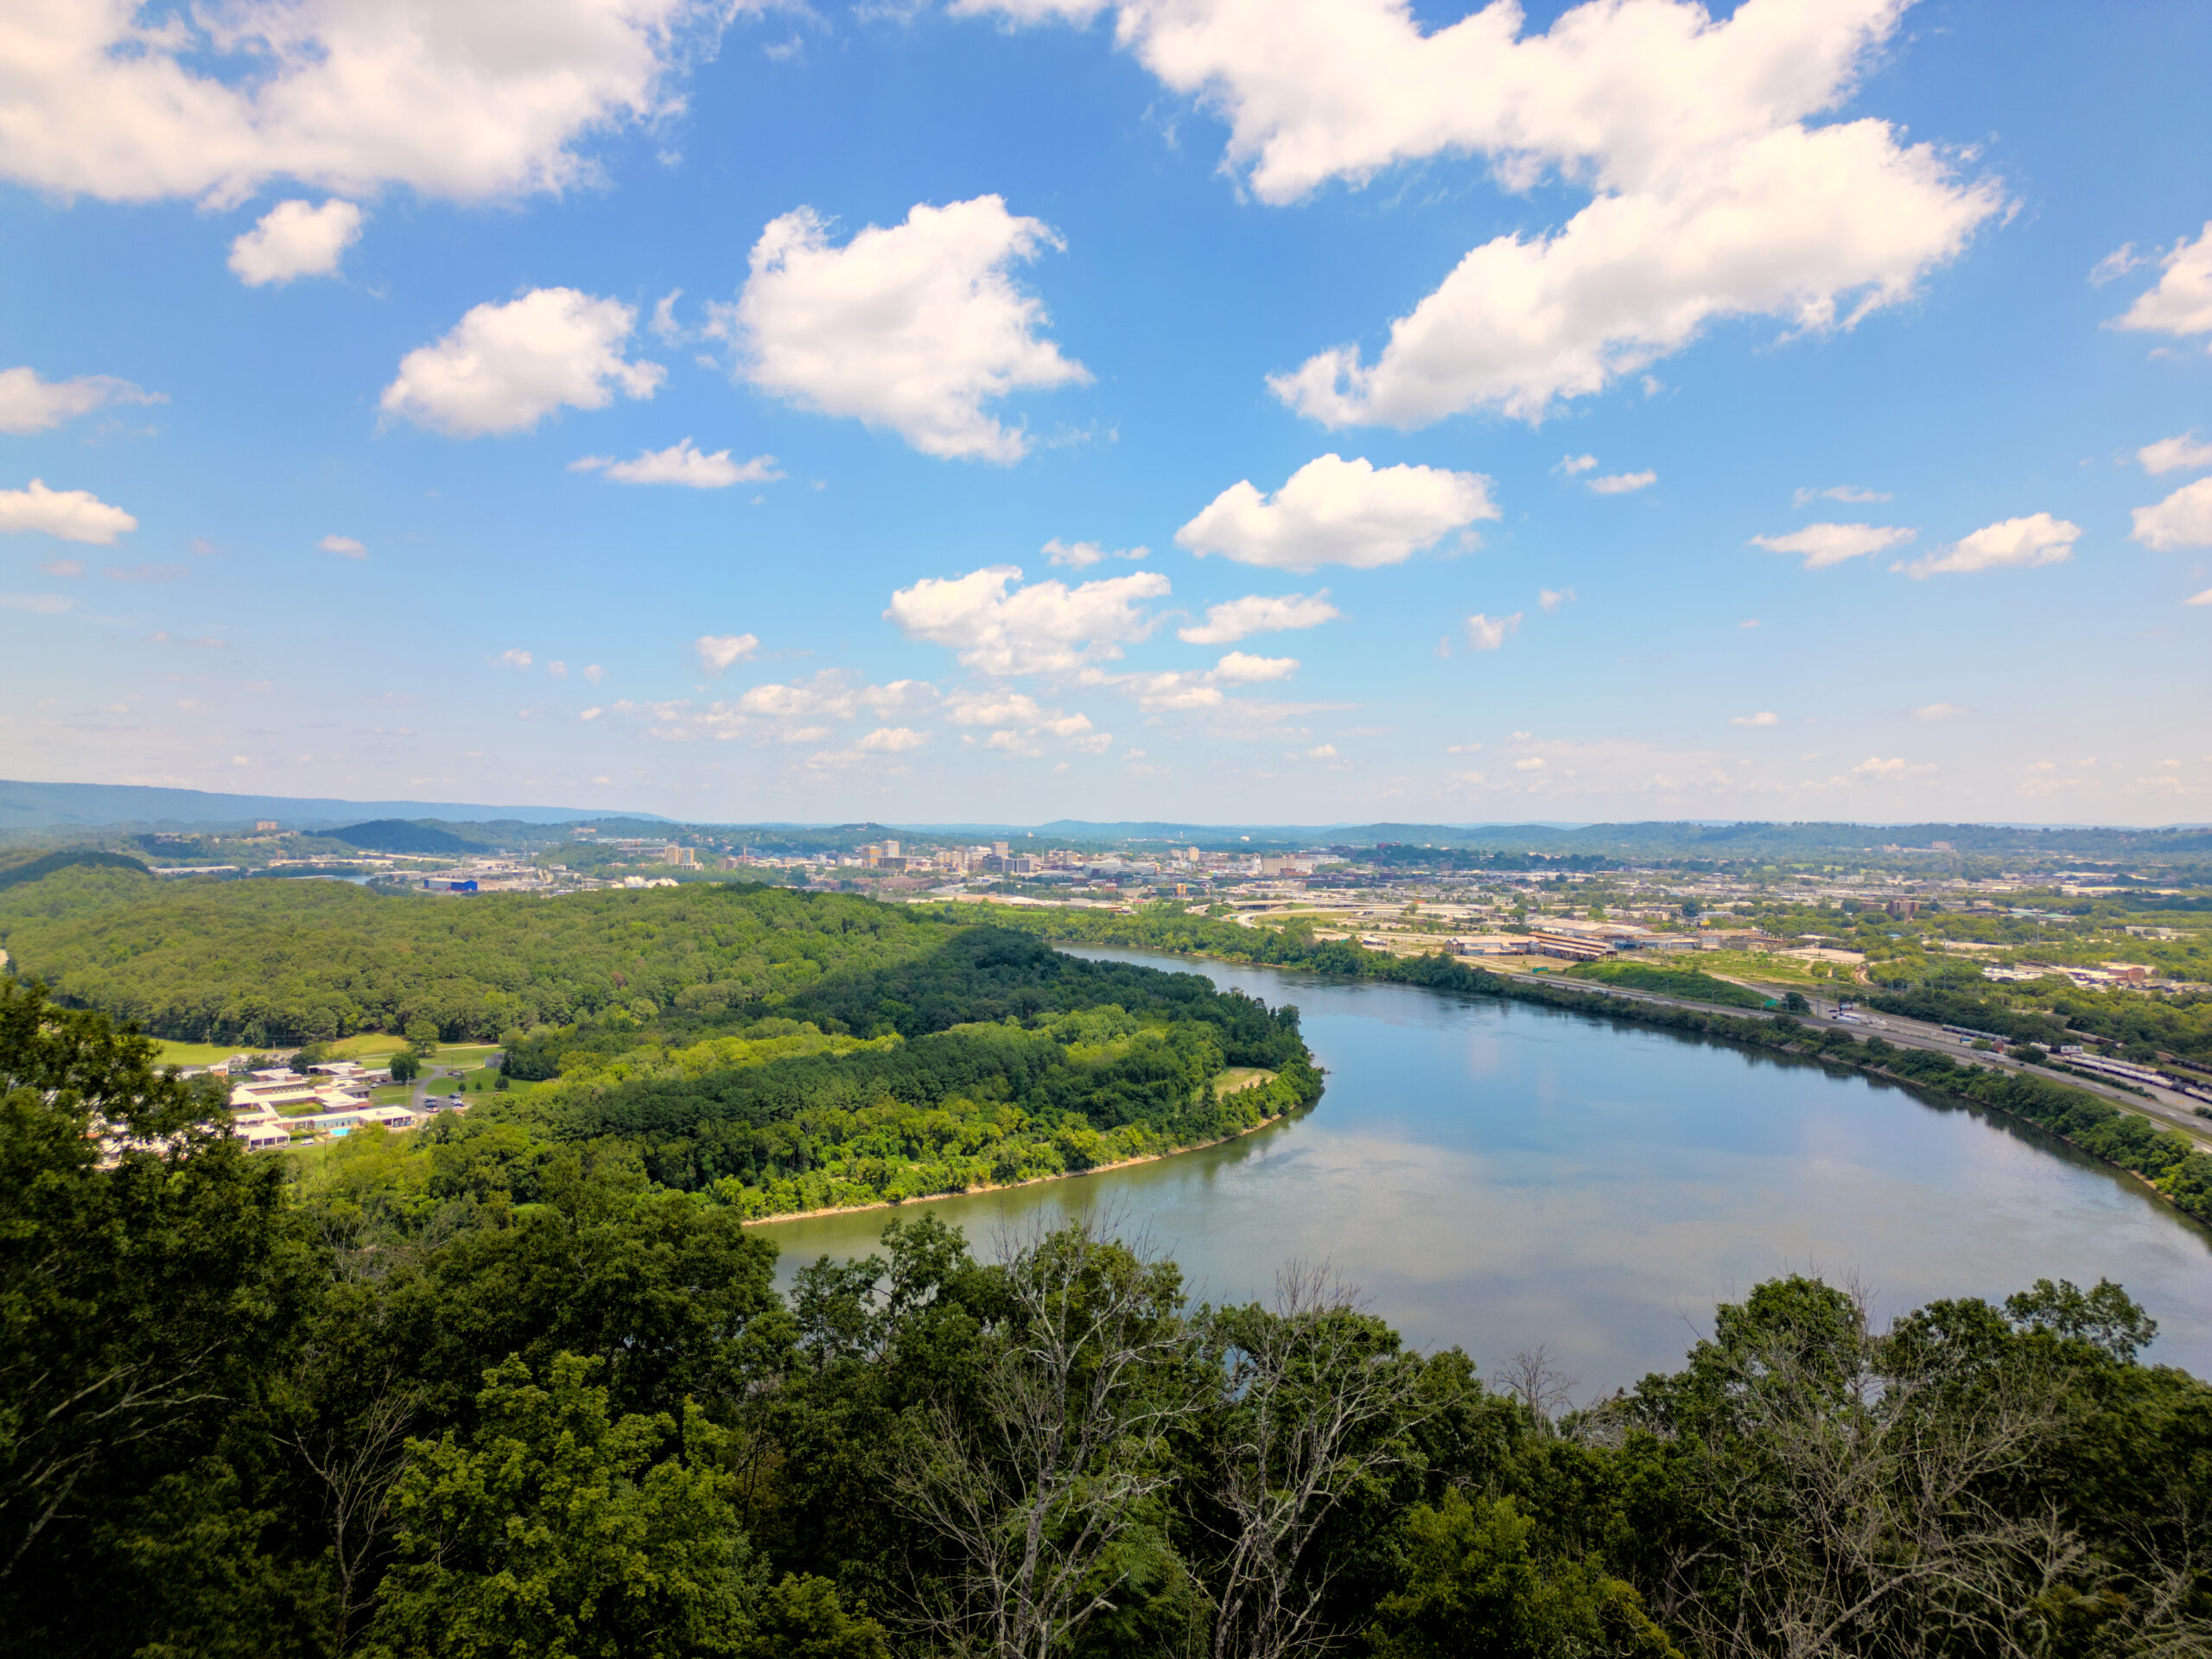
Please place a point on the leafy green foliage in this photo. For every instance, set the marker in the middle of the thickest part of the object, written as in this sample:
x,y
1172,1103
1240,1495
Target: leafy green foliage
x,y
269,963
1022,1064
143,1294
479,1391
524,1384
1474,1584
37,869
559,1529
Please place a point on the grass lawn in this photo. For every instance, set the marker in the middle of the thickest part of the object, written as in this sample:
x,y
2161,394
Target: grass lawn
x,y
1789,972
1671,979
369,1045
194,1053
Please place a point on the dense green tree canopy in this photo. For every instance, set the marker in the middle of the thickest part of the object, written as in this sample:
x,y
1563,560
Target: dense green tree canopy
x,y
270,962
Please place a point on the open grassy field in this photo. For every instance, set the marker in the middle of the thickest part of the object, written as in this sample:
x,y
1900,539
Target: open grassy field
x,y
459,1054
369,1045
194,1053
1669,979
1240,1077
1790,973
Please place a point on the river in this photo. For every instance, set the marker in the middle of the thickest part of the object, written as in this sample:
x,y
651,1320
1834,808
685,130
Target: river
x,y
1497,1176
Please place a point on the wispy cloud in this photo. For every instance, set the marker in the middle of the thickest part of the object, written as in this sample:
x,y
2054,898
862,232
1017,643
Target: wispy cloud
x,y
1624,483
1838,493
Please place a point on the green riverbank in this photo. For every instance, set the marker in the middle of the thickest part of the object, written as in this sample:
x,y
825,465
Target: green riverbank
x,y
2164,1161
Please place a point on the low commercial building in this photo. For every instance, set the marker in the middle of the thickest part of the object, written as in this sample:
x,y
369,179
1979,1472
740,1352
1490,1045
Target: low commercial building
x,y
1572,947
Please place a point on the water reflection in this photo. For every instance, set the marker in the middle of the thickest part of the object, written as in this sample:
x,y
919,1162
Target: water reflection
x,y
1497,1175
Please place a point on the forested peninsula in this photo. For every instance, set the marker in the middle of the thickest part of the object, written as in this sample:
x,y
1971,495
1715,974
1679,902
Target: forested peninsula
x,y
778,1052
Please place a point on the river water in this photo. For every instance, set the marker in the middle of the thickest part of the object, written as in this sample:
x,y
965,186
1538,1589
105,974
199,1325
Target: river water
x,y
1499,1176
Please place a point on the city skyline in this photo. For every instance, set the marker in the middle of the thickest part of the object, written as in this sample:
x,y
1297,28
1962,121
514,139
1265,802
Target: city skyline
x,y
1025,410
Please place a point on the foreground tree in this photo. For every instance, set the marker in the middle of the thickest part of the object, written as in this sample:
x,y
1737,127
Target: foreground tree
x,y
1315,1400
1899,1493
148,1273
1040,1489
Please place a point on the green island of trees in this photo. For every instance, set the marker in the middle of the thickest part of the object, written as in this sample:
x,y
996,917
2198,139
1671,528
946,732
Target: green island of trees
x,y
479,1390
992,1060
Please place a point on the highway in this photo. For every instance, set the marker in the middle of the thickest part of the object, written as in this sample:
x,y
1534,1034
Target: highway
x,y
2171,1109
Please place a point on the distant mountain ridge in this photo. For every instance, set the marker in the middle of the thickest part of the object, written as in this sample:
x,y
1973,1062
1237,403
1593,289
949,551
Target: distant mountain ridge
x,y
94,806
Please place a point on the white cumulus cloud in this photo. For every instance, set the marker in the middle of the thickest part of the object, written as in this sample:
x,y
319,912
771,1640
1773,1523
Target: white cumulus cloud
x,y
682,463
1764,717
892,739
1237,668
71,515
505,367
2183,454
1239,619
2010,543
1336,511
464,102
1939,711
993,708
2181,302
2183,519
718,651
345,546
511,660
915,327
1046,627
1826,545
1624,483
1489,632
1552,598
294,239
1712,192
30,404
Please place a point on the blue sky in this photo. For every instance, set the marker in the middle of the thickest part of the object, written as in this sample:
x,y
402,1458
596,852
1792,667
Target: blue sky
x,y
1613,411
